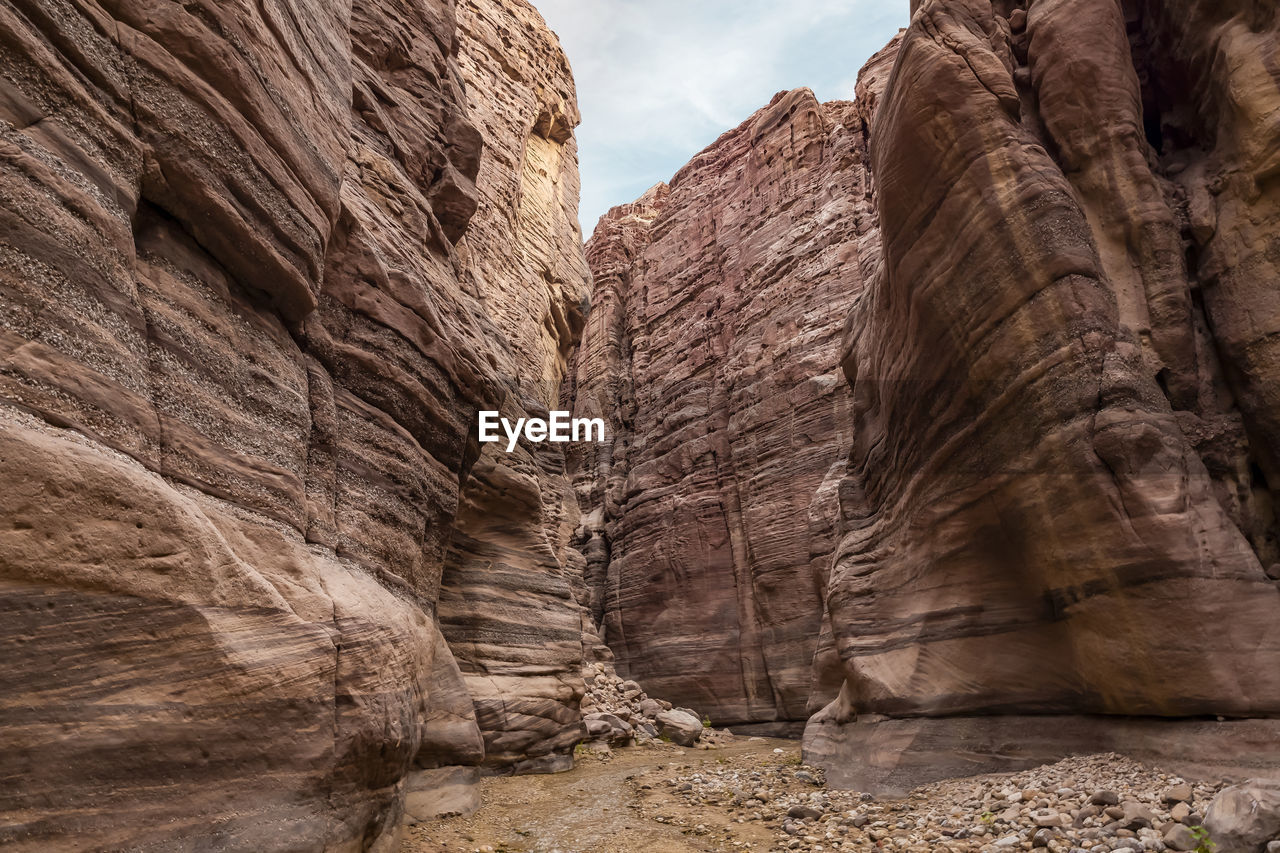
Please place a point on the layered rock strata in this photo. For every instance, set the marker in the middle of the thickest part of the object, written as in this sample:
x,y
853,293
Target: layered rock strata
x,y
508,601
712,349
1059,496
1053,225
260,265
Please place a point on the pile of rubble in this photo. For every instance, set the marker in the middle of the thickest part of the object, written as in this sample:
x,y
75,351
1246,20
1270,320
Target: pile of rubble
x,y
1089,804
619,713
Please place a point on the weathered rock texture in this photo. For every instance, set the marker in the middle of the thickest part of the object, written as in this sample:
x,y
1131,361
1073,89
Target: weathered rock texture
x,y
1060,494
260,264
507,604
712,349
1054,228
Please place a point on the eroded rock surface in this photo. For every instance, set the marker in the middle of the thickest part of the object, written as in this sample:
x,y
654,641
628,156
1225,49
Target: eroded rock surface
x,y
508,601
1054,227
712,351
259,268
261,265
1059,497
1245,818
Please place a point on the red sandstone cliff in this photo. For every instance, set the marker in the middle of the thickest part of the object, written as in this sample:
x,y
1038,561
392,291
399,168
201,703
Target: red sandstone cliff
x,y
712,348
260,265
1059,499
1052,237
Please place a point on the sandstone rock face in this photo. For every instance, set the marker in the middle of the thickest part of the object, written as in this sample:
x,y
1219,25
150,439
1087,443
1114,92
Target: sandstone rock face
x,y
259,268
508,600
1060,494
1245,818
712,351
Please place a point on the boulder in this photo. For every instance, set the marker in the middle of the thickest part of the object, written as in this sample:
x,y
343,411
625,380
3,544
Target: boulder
x,y
680,727
1179,837
1136,816
1244,818
610,728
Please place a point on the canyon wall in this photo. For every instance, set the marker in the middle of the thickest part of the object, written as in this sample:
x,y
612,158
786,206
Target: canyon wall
x,y
260,265
1060,494
949,415
508,603
712,351
1046,235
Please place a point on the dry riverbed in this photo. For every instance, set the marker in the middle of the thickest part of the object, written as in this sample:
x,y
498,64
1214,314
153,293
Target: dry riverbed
x,y
754,794
618,804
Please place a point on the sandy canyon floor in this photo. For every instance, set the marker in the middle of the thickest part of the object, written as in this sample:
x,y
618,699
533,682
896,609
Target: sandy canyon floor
x,y
619,804
754,794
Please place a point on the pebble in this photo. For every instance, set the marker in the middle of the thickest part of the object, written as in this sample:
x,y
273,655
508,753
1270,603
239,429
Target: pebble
x,y
1092,804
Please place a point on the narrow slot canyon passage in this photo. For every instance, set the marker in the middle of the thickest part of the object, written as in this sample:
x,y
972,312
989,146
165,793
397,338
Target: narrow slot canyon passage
x,y
922,367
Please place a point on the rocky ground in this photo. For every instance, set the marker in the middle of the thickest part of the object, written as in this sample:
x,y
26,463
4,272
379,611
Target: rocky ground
x,y
618,712
755,794
1098,803
609,803
656,779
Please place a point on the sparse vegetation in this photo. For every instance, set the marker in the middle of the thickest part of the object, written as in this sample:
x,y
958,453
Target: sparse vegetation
x,y
1204,844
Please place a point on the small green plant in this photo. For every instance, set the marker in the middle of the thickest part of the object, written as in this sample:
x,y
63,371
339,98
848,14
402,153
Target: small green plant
x,y
580,750
1204,844
793,760
706,722
664,737
987,818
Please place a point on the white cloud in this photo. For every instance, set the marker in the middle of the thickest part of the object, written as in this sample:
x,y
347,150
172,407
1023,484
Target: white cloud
x,y
658,80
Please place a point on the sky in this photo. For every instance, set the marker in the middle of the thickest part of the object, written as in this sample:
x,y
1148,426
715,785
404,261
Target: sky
x,y
659,80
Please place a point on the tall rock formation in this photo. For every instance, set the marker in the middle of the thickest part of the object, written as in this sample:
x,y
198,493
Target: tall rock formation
x,y
1053,228
1060,495
507,600
260,265
712,349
